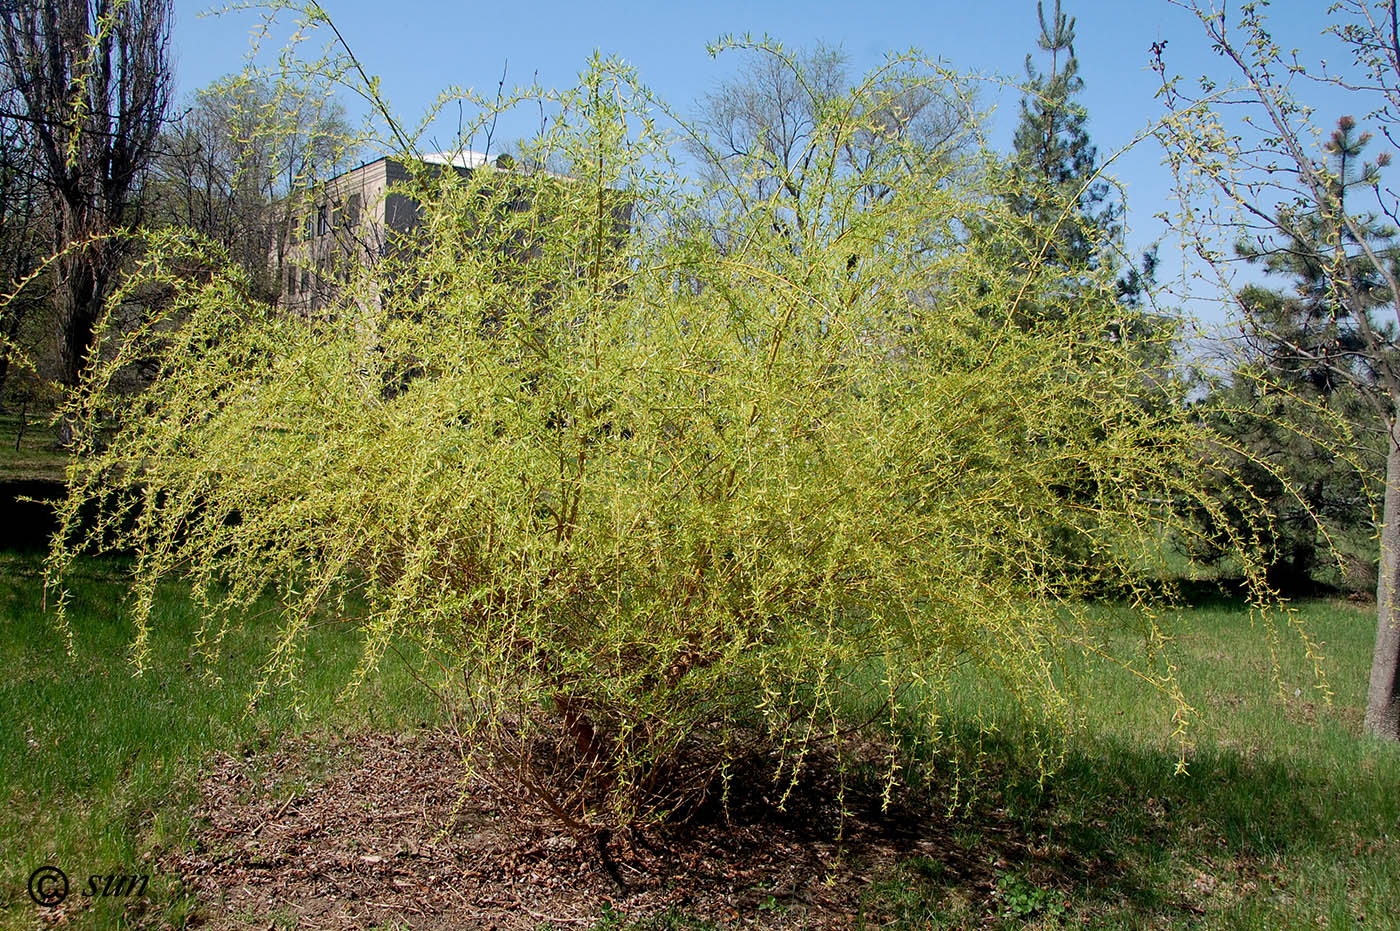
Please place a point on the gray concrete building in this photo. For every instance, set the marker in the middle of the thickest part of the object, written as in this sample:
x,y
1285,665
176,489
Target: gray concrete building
x,y
355,219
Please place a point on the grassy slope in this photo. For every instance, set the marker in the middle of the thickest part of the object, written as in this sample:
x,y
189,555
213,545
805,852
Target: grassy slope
x,y
1287,819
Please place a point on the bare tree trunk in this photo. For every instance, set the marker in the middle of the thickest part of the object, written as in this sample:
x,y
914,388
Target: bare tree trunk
x,y
1383,700
80,305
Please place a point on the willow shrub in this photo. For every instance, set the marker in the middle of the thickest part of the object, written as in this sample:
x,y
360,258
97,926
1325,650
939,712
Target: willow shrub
x,y
665,479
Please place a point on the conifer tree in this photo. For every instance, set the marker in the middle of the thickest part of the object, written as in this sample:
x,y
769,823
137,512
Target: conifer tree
x,y
1056,159
1305,375
1067,229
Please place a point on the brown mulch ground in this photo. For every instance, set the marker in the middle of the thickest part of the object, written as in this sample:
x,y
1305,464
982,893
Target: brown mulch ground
x,y
381,831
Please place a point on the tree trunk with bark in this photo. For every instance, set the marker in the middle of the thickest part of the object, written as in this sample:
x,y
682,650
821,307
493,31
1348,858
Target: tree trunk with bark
x,y
1383,698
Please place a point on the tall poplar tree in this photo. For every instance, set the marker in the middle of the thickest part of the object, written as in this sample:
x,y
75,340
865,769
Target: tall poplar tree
x,y
94,78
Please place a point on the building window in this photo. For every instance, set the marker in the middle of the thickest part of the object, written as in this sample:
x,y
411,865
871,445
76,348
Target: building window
x,y
352,210
322,219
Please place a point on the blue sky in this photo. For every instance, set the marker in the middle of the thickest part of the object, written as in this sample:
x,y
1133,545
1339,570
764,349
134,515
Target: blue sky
x,y
418,48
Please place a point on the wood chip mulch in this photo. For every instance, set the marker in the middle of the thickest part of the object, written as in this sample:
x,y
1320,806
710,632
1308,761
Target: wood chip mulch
x,y
382,831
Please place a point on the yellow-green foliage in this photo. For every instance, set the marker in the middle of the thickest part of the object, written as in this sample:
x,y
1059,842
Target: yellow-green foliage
x,y
668,493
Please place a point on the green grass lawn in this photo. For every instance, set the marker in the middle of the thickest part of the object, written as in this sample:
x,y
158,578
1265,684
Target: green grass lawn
x,y
1287,818
97,766
27,450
